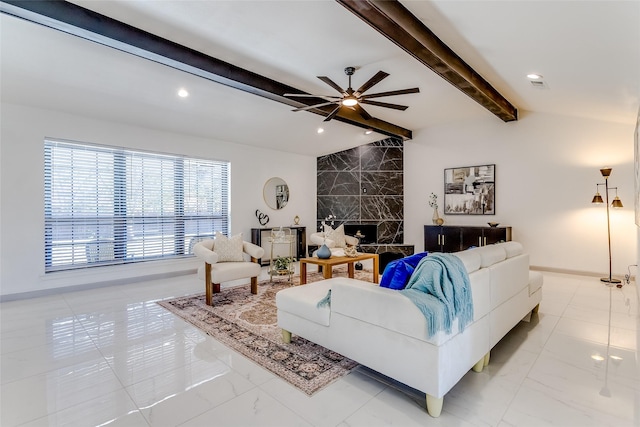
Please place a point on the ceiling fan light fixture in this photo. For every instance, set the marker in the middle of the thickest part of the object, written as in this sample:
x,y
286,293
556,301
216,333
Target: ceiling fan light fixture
x,y
349,101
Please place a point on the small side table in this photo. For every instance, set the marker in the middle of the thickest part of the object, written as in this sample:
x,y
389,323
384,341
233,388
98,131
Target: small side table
x,y
281,236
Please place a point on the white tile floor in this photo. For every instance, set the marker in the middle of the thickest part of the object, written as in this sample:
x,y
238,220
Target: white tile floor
x,y
111,356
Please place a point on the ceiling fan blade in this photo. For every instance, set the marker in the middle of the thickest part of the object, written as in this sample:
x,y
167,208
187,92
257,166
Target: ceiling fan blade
x,y
306,95
391,93
384,104
372,81
311,107
333,114
362,112
331,83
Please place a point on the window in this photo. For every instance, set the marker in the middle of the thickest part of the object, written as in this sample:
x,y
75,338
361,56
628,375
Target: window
x,y
108,205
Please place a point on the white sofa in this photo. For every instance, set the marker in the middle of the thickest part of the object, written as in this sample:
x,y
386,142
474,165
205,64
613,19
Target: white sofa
x,y
383,330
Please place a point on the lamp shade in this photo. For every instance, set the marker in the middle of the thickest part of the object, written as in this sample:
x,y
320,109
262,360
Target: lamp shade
x,y
617,203
597,198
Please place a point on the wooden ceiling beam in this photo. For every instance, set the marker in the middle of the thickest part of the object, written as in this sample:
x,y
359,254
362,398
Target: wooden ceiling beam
x,y
84,23
398,24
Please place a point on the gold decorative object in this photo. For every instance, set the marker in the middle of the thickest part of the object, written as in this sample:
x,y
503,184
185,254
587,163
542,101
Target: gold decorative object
x,y
351,251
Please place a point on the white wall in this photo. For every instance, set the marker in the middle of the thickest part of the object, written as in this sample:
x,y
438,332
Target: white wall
x,y
22,191
547,167
546,170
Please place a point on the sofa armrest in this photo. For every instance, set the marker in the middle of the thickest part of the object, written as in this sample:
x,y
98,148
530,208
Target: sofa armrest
x,y
204,253
254,251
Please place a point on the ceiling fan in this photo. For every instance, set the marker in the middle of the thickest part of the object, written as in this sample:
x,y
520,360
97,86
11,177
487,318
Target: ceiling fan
x,y
353,98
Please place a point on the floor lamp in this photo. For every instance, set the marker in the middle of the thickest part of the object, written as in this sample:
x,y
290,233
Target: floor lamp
x,y
606,172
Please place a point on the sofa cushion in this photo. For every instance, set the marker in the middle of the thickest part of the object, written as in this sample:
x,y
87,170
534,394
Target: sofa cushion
x,y
302,301
470,259
490,255
512,248
397,273
228,249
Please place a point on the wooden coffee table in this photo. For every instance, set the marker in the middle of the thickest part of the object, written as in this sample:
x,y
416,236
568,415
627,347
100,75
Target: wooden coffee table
x,y
327,265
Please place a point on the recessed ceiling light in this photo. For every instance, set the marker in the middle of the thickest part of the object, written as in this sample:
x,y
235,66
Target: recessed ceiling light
x,y
368,132
534,76
320,130
182,93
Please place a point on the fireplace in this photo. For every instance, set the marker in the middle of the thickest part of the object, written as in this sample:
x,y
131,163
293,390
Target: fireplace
x,y
369,231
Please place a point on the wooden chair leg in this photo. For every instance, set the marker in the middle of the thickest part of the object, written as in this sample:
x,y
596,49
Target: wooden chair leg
x,y
254,285
207,283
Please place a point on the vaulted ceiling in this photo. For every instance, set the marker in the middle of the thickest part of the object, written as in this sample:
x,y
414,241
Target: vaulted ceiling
x,y
588,53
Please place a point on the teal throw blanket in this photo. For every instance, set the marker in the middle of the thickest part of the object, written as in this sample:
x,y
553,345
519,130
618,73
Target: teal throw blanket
x,y
440,288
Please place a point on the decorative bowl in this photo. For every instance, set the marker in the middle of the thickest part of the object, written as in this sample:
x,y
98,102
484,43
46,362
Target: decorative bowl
x,y
493,224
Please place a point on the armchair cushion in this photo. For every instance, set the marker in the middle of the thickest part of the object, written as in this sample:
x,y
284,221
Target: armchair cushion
x,y
228,249
336,235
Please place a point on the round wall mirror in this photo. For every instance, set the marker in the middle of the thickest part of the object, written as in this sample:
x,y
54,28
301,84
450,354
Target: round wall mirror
x,y
276,193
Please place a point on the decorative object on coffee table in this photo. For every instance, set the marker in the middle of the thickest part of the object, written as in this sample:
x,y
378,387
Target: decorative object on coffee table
x,y
324,252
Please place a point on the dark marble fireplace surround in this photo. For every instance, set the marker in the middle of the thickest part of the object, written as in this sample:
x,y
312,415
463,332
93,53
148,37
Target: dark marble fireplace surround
x,y
365,185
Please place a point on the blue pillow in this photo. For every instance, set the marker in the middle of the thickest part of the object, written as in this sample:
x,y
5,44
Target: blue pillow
x,y
397,273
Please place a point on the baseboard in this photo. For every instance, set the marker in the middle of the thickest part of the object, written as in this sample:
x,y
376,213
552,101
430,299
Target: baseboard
x,y
575,272
117,282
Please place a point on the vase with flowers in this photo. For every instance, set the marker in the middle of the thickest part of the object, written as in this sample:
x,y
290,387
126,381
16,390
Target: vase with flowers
x,y
324,252
433,202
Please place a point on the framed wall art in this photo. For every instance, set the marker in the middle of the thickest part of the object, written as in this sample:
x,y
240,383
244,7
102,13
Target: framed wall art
x,y
470,190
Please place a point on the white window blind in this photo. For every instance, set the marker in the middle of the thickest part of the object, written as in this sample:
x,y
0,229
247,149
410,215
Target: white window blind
x,y
106,205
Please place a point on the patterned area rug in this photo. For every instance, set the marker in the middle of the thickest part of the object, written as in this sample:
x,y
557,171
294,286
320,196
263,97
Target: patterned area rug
x,y
248,324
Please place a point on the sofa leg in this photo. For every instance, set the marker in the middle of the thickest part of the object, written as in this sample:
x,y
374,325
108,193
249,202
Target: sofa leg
x,y
535,309
286,336
527,318
254,285
486,358
434,405
479,366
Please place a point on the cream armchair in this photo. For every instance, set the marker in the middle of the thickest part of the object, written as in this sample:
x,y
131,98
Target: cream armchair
x,y
215,272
